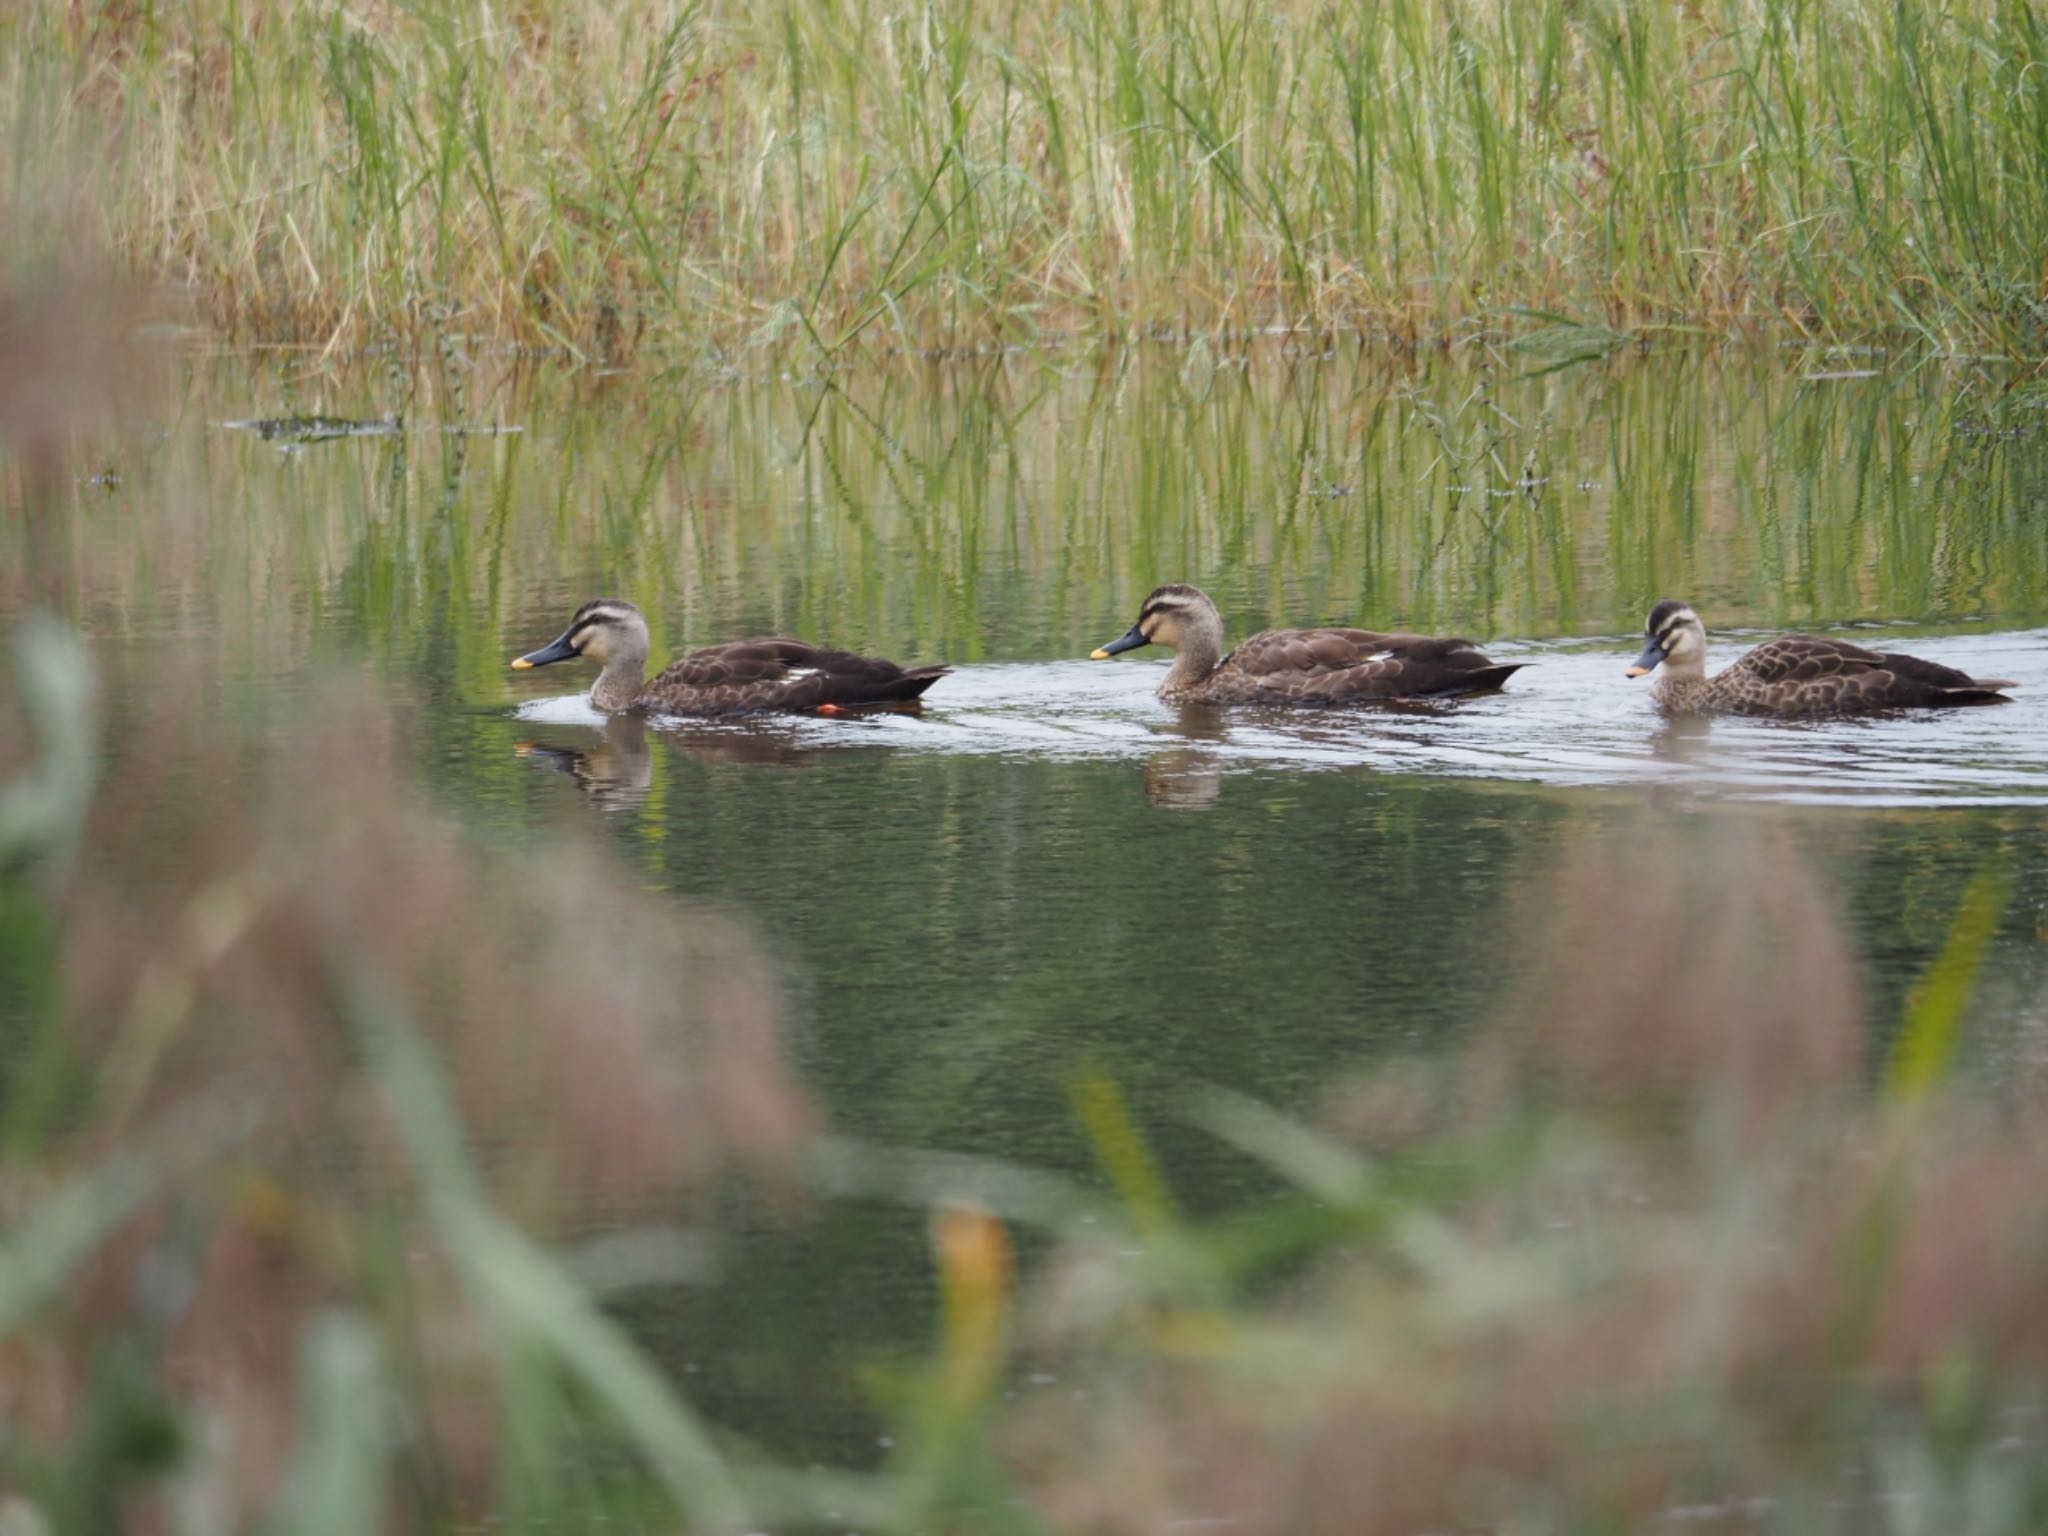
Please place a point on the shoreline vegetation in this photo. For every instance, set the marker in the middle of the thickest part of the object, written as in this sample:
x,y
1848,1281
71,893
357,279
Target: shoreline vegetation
x,y
713,182
335,1144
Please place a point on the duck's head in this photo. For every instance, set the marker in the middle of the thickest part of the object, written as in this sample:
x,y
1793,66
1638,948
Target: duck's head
x,y
1170,617
607,630
1674,634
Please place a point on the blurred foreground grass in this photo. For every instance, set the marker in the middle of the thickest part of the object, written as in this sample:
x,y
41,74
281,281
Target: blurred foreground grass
x,y
305,1103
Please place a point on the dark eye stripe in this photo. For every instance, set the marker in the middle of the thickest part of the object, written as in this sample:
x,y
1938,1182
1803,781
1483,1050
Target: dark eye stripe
x,y
594,616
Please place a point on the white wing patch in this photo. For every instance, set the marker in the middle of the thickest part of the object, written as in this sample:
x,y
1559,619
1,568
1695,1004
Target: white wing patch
x,y
797,674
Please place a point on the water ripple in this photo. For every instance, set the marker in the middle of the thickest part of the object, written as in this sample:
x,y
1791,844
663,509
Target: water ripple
x,y
1572,719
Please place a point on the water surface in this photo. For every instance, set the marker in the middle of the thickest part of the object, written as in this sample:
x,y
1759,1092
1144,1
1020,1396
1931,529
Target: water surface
x,y
1567,719
1048,867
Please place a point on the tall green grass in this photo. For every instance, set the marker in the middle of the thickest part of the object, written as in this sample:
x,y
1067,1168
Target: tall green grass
x,y
714,177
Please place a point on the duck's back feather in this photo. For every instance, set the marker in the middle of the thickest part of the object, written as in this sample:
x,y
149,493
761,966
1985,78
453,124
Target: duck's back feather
x,y
1331,666
781,673
1810,674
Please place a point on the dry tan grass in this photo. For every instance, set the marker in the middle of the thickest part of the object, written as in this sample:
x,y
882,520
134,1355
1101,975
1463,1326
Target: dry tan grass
x,y
568,174
1724,1271
1690,964
68,369
610,1055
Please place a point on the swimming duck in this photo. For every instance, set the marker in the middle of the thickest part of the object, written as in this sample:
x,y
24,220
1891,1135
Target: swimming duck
x,y
738,677
1298,666
1798,675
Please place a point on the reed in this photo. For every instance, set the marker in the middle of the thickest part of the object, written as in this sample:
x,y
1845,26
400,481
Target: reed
x,y
1649,1252
714,179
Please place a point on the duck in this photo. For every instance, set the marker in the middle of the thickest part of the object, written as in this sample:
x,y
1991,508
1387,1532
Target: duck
x,y
738,677
1795,676
1298,666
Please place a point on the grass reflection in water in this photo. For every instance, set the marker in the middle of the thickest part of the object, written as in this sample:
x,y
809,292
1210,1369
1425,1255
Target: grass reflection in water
x,y
1637,1189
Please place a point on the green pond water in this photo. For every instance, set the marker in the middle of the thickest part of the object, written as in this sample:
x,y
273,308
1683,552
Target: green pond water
x,y
1049,868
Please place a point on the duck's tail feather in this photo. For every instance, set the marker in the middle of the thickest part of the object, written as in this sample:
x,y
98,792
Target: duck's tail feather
x,y
1982,691
912,682
1484,679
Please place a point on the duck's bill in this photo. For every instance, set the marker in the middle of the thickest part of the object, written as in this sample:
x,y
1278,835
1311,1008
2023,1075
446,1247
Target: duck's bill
x,y
1129,640
1647,662
561,650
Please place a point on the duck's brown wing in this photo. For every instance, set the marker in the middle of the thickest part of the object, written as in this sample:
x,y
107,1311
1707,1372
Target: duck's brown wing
x,y
1810,674
1333,666
780,673
1950,685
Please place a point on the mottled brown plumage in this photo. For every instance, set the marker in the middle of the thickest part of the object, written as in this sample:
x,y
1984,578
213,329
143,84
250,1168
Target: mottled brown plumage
x,y
1798,676
1299,666
739,677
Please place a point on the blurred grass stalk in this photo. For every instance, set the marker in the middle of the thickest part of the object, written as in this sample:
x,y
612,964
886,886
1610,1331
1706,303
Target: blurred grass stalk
x,y
719,175
249,1276
120,1219
1653,1241
1655,1249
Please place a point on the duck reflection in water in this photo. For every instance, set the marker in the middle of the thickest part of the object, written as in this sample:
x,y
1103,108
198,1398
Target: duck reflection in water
x,y
1682,741
1681,738
1188,778
616,773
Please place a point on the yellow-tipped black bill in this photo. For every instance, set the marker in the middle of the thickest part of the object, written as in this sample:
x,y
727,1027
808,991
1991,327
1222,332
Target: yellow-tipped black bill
x,y
1647,662
1129,640
559,650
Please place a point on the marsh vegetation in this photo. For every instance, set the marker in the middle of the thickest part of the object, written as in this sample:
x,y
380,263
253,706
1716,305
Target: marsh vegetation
x,y
427,1106
709,180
